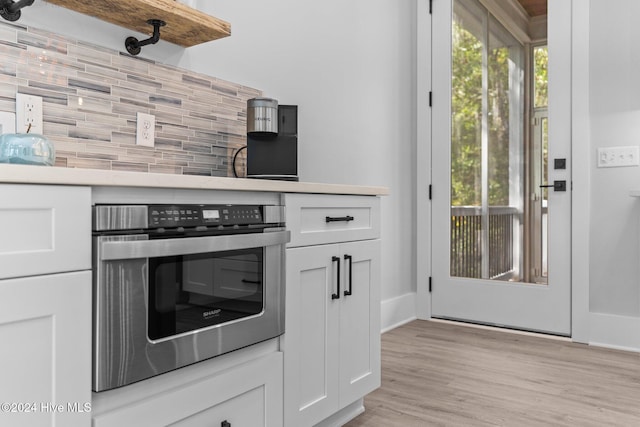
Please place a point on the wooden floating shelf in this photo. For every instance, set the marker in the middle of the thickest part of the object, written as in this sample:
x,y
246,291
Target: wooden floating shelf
x,y
185,26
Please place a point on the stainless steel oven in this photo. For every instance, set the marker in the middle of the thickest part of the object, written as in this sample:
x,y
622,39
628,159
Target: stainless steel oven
x,y
174,285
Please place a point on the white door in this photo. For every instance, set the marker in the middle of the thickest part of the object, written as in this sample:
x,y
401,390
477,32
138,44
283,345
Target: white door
x,y
481,173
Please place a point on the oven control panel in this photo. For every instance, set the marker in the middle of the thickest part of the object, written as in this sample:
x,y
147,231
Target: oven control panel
x,y
170,216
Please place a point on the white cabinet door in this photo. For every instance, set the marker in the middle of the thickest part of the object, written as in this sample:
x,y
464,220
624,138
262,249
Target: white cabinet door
x,y
45,334
332,339
311,340
360,321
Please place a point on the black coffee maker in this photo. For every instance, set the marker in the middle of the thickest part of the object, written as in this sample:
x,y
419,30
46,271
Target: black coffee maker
x,y
272,140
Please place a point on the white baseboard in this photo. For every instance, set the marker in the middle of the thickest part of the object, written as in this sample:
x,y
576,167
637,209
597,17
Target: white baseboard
x,y
619,332
398,311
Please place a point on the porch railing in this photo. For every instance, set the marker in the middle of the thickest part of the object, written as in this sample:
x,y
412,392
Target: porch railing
x,y
468,240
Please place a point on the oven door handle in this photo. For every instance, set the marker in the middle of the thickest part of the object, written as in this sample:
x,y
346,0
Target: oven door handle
x,y
135,249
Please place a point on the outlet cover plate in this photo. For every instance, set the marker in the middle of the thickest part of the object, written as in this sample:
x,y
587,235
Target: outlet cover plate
x,y
145,129
615,157
28,112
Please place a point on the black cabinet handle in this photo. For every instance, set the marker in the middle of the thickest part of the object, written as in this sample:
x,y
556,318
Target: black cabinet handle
x,y
336,295
225,423
253,282
339,218
349,259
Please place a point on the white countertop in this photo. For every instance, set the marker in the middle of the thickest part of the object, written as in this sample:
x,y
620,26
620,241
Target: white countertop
x,y
24,174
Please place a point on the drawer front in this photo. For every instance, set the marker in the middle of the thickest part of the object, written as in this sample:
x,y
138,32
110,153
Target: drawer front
x,y
245,410
46,229
320,219
247,394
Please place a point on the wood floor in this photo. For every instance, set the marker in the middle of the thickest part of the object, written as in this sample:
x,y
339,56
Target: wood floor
x,y
444,374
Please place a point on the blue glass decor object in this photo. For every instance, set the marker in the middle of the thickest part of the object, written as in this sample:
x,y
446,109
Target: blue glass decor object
x,y
26,149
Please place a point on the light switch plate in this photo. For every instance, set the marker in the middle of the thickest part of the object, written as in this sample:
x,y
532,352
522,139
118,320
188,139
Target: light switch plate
x,y
614,157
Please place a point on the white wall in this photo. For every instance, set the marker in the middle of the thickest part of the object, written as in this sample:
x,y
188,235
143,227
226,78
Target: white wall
x,y
615,121
348,65
614,232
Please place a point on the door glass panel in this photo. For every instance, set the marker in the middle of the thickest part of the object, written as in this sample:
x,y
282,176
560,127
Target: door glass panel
x,y
540,72
541,62
543,227
544,123
486,147
539,168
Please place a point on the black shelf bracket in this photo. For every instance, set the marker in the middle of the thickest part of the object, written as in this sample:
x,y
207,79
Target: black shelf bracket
x,y
134,46
10,10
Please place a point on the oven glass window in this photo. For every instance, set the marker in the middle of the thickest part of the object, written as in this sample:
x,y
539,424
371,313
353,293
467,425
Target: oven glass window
x,y
191,292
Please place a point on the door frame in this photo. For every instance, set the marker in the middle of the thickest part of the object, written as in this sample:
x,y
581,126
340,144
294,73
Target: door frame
x,y
580,154
423,157
581,158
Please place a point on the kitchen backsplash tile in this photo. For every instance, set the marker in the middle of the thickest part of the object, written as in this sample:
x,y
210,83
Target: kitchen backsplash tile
x,y
91,95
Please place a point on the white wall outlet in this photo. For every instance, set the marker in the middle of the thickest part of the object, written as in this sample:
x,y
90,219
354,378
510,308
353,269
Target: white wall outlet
x,y
7,122
28,113
614,157
145,129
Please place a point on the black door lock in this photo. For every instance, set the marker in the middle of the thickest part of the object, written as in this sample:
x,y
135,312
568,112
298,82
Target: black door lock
x,y
559,163
557,186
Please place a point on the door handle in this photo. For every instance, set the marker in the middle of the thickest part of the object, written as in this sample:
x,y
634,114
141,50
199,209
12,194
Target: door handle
x,y
134,249
337,294
349,259
557,186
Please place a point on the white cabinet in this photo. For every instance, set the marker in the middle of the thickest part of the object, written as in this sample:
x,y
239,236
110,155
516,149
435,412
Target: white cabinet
x,y
246,394
332,328
45,316
45,331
